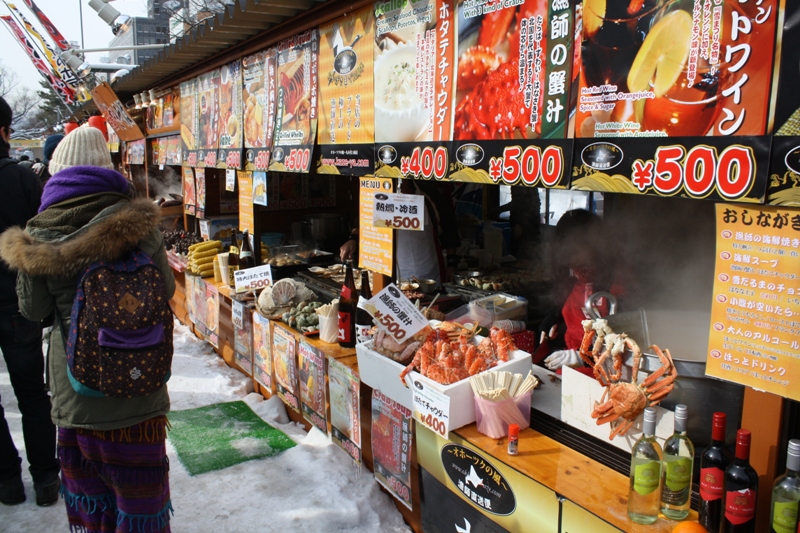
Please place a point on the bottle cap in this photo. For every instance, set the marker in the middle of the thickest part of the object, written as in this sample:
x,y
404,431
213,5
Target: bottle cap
x,y
794,447
719,420
681,411
743,437
650,415
718,426
513,430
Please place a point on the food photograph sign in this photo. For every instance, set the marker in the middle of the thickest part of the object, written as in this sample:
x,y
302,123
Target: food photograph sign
x,y
346,126
258,98
296,104
229,154
208,118
311,369
755,314
242,319
188,115
284,366
392,435
262,351
343,389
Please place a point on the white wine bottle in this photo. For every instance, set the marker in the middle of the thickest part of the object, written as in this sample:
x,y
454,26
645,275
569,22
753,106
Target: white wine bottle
x,y
786,493
646,457
676,476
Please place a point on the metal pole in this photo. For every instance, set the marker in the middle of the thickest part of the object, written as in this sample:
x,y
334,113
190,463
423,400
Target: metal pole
x,y
132,47
80,13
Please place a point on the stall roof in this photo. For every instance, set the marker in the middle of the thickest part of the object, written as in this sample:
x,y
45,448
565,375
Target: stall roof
x,y
243,27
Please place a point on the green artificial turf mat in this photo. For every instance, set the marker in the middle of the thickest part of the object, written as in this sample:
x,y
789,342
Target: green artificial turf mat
x,y
222,435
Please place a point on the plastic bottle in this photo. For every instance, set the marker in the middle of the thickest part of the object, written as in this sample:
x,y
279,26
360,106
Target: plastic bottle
x,y
646,457
786,493
676,477
513,439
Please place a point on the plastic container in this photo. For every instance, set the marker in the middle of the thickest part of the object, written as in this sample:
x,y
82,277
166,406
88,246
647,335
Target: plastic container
x,y
493,418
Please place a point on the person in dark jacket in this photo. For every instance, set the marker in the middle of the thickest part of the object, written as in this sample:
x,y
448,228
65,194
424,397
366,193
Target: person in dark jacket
x,y
43,169
21,344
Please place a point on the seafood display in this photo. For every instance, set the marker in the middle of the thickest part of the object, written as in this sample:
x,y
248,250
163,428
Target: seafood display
x,y
448,356
621,399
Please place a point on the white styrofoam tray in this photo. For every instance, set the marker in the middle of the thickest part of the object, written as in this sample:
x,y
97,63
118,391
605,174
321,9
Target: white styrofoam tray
x,y
382,373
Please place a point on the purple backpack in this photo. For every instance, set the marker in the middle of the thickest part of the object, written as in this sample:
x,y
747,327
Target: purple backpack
x,y
120,337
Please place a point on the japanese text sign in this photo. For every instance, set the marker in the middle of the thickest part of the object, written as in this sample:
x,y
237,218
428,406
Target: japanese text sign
x,y
399,211
343,389
375,244
311,367
262,353
431,407
392,434
251,279
284,365
755,315
395,313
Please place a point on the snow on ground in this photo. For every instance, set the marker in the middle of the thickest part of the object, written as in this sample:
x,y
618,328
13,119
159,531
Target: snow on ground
x,y
313,487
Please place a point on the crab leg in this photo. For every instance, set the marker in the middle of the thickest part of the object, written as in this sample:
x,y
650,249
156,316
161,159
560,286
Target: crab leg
x,y
621,428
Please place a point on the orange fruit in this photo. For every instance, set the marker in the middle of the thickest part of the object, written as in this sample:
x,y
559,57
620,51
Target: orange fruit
x,y
660,60
688,527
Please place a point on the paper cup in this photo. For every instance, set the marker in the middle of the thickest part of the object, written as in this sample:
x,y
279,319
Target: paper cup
x,y
223,266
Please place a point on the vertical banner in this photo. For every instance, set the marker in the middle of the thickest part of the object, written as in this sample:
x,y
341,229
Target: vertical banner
x,y
246,214
343,388
200,191
754,337
311,365
392,436
212,314
58,85
375,244
189,121
208,118
242,335
50,28
230,116
260,188
284,365
296,105
346,111
686,68
189,291
189,196
262,351
258,96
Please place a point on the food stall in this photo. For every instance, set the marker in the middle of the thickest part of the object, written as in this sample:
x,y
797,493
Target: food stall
x,y
304,134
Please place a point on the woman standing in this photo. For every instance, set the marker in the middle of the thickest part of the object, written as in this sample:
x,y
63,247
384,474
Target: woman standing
x,y
112,450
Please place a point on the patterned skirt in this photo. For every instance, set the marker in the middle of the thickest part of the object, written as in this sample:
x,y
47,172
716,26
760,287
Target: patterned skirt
x,y
116,481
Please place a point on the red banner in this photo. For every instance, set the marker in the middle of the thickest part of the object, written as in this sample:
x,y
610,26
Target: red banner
x,y
59,39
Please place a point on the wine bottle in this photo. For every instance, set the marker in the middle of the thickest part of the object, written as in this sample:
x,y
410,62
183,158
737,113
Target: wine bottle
x,y
233,259
741,490
363,318
786,493
347,309
246,259
646,457
713,462
676,476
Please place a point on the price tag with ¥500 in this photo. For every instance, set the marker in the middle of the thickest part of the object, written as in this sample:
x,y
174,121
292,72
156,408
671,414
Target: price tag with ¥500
x,y
251,279
430,407
399,211
395,313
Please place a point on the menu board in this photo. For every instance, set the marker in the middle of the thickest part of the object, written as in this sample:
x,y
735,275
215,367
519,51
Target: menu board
x,y
296,104
414,73
189,121
258,97
311,368
346,128
685,68
246,215
229,154
375,244
242,319
755,314
284,365
392,435
208,118
343,388
189,195
262,351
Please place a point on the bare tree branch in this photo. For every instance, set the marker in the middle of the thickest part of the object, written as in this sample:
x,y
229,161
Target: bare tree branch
x,y
8,81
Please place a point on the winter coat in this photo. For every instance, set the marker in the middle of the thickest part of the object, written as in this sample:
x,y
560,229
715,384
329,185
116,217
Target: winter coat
x,y
50,262
20,194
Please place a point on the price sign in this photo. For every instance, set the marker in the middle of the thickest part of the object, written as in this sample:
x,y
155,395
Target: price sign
x,y
399,211
531,166
431,407
426,163
395,313
251,279
237,314
230,179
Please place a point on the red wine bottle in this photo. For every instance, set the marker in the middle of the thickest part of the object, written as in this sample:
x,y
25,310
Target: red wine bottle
x,y
741,490
713,463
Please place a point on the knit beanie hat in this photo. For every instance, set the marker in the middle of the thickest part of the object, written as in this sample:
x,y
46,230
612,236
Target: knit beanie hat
x,y
83,147
50,145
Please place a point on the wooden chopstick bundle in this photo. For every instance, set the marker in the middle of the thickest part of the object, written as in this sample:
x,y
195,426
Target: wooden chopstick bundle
x,y
486,385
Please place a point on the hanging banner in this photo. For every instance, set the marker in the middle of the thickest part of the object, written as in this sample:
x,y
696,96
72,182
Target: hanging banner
x,y
754,336
284,364
56,63
296,104
189,121
343,387
262,351
374,244
50,28
346,95
115,114
230,116
514,81
392,436
61,89
189,196
311,364
684,69
208,118
246,213
242,319
414,72
258,96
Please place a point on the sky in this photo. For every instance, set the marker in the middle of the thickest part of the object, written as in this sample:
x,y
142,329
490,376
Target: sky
x,y
65,15
310,488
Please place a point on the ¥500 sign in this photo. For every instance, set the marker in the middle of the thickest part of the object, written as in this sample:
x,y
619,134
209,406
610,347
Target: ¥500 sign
x,y
252,279
399,211
395,313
